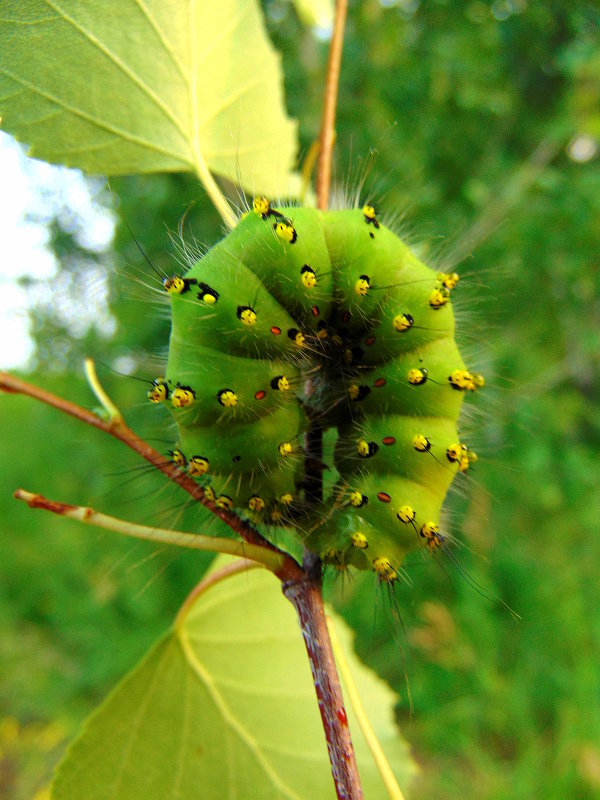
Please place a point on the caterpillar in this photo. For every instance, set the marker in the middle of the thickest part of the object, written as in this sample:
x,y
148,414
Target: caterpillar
x,y
300,316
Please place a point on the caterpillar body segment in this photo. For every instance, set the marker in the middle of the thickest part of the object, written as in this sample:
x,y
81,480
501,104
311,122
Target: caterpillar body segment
x,y
390,390
300,314
241,321
261,498
280,264
225,445
232,388
368,272
392,449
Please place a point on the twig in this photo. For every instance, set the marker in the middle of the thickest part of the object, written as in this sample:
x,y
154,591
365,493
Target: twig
x,y
194,541
306,594
327,134
115,426
505,199
381,762
307,598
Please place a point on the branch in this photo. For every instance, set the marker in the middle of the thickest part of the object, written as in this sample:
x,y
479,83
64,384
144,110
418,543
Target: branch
x,y
115,426
307,598
306,594
195,541
505,199
313,461
381,762
327,135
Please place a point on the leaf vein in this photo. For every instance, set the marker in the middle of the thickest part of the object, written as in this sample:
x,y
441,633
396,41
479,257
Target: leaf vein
x,y
229,101
78,112
216,43
118,62
234,724
163,40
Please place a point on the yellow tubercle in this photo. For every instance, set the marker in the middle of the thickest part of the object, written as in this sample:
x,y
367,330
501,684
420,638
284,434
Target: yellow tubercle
x,y
384,570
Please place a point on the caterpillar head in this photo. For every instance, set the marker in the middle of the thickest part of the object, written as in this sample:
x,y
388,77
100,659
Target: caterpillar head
x,y
301,316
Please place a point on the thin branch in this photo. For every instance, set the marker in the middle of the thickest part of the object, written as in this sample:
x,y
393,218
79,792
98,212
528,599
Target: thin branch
x,y
327,135
381,762
307,598
306,594
116,427
195,541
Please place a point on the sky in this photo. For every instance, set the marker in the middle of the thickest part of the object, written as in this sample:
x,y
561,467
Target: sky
x,y
32,193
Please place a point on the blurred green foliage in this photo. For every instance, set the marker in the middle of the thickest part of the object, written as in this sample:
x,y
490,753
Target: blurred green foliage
x,y
475,122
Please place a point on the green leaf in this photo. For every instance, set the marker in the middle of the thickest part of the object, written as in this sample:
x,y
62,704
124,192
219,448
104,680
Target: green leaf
x,y
318,13
223,706
118,87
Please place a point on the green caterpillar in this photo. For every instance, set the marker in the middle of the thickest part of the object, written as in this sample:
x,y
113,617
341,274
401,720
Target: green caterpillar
x,y
302,315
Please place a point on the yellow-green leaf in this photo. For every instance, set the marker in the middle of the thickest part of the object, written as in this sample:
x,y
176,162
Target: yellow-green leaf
x,y
223,707
318,13
128,86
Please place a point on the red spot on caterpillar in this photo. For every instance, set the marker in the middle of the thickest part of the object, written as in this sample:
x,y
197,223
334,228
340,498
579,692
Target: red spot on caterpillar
x,y
345,316
315,311
388,440
275,330
341,715
384,497
370,341
260,394
379,382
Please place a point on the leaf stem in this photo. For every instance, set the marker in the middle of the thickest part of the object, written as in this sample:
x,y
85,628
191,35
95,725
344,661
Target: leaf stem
x,y
92,378
195,541
307,598
327,135
213,191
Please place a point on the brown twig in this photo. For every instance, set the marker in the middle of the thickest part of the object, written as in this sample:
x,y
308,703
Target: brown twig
x,y
307,598
327,134
306,594
115,426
